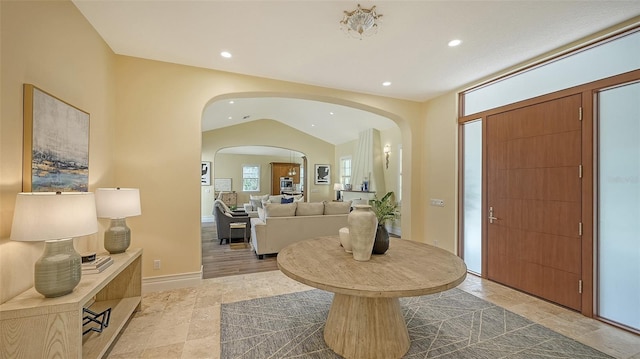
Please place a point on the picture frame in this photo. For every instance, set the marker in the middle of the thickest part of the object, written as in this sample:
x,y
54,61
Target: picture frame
x,y
222,185
55,144
205,177
322,174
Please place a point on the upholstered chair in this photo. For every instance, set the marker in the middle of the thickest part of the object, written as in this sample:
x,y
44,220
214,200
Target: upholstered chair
x,y
224,216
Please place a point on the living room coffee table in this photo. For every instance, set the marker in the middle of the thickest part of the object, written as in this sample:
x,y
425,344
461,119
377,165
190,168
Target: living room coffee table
x,y
365,320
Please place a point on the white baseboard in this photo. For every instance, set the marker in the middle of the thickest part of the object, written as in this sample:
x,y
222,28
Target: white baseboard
x,y
169,282
207,218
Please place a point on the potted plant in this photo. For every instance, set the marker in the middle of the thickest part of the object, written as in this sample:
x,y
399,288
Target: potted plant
x,y
385,209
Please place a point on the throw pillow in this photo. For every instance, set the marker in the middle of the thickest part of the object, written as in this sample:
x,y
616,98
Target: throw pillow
x,y
337,207
255,204
286,200
275,199
296,197
310,209
280,210
261,214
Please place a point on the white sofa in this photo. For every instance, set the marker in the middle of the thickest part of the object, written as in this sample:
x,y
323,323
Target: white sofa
x,y
258,201
279,225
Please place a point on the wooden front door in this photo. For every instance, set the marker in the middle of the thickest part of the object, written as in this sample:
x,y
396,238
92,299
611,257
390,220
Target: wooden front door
x,y
534,199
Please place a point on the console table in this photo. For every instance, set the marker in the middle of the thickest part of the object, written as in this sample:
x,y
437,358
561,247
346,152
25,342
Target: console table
x,y
33,326
365,320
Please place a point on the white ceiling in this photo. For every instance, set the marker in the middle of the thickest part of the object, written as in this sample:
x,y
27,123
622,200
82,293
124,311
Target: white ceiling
x,y
301,41
335,124
294,156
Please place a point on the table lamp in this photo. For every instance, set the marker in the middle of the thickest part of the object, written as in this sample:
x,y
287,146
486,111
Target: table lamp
x,y
338,187
55,217
117,204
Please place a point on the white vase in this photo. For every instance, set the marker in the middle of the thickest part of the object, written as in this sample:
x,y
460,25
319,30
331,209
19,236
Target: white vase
x,y
362,231
345,239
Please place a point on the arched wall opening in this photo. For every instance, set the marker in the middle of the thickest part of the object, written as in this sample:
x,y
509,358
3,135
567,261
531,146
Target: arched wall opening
x,y
271,133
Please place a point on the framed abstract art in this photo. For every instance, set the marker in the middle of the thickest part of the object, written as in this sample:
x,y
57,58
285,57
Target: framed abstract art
x,y
55,144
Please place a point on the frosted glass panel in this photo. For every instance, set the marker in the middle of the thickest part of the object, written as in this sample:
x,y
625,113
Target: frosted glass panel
x,y
619,199
615,57
472,202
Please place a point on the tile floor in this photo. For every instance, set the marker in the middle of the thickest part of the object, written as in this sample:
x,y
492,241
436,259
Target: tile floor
x,y
185,323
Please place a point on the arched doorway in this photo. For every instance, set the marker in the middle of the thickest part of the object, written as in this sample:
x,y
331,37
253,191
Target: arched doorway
x,y
325,131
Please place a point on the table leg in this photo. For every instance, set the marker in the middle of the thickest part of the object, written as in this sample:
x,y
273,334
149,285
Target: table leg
x,y
366,328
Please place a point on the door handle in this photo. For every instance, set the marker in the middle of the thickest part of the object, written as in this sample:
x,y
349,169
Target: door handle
x,y
491,217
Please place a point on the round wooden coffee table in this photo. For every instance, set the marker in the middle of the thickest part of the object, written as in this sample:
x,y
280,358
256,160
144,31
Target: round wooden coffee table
x,y
365,320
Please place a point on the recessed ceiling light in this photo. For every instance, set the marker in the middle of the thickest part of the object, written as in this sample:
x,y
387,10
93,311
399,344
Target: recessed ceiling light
x,y
230,118
231,102
454,43
313,125
225,54
331,113
386,83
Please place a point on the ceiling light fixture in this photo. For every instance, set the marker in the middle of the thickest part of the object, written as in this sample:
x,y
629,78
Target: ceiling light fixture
x,y
361,22
386,83
225,54
454,43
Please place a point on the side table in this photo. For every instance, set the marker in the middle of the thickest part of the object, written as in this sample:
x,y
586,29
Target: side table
x,y
239,225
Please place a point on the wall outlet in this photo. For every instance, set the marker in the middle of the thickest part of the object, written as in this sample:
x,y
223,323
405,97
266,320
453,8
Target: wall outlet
x,y
437,202
156,264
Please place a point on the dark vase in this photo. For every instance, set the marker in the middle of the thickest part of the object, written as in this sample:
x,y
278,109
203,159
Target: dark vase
x,y
381,243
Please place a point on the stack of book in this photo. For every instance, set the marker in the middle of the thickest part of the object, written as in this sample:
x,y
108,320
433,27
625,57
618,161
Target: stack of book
x,y
97,265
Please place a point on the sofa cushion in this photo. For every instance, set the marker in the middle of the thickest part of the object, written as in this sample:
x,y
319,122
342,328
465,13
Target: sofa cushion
x,y
337,207
280,210
310,209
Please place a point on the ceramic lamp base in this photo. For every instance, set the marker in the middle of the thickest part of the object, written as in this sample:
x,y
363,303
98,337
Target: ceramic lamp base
x,y
58,271
118,237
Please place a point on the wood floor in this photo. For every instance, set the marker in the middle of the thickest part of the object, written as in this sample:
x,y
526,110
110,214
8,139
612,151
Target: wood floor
x,y
219,260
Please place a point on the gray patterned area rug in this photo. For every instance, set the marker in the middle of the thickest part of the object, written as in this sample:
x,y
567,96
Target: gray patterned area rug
x,y
451,324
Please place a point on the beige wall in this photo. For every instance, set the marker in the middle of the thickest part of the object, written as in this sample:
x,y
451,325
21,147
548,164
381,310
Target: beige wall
x,y
50,45
159,114
393,138
439,171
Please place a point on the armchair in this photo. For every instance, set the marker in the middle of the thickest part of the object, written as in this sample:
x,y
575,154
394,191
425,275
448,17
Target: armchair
x,y
224,216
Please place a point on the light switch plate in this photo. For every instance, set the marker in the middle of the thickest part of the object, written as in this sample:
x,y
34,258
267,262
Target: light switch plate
x,y
437,202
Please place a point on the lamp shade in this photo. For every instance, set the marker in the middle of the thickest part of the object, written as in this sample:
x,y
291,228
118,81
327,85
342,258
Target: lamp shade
x,y
118,202
338,187
41,216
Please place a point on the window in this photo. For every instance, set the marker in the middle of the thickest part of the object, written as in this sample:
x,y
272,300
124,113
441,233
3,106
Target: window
x,y
345,170
612,57
250,178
